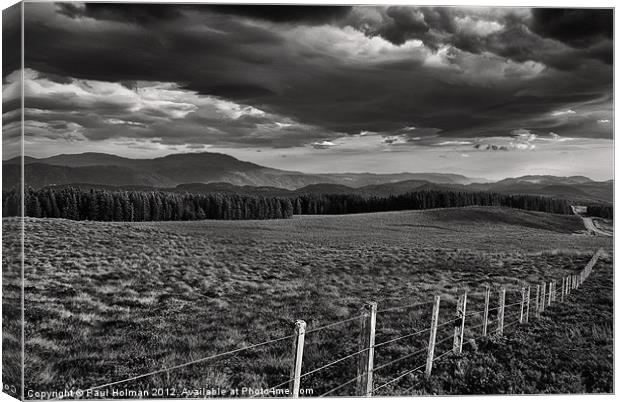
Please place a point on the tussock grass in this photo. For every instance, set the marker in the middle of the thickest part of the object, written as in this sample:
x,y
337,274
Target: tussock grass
x,y
107,301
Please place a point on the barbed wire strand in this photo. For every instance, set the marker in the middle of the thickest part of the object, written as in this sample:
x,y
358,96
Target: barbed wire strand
x,y
178,366
471,313
512,304
475,327
414,385
449,322
333,324
401,337
364,350
511,323
334,362
443,354
399,359
451,337
404,307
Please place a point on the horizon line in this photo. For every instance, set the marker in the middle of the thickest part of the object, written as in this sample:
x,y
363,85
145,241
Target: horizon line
x,y
295,171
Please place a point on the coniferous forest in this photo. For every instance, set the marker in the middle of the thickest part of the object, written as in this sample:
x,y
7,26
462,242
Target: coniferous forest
x,y
140,206
133,206
312,204
603,211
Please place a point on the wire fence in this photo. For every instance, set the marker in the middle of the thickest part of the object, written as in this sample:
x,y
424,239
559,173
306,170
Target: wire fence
x,y
445,327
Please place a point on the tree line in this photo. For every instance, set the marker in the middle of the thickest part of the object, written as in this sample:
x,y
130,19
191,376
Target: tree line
x,y
113,205
138,206
311,204
600,210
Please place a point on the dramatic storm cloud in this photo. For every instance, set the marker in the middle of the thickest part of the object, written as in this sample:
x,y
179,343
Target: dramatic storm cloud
x,y
319,83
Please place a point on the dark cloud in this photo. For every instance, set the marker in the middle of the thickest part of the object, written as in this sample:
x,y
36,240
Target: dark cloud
x,y
203,61
477,75
126,12
517,37
576,27
11,39
152,13
283,13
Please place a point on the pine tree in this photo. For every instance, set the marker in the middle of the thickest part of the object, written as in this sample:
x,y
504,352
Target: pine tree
x,y
33,205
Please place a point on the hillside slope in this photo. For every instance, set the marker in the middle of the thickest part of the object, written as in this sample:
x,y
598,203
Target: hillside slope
x,y
175,169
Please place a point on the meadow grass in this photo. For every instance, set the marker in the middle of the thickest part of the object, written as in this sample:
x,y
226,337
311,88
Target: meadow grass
x,y
11,307
107,301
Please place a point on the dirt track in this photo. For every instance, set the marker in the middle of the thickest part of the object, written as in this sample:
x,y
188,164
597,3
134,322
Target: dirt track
x,y
592,228
589,224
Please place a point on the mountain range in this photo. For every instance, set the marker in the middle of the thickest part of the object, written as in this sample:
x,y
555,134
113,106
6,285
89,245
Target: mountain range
x,y
208,172
172,170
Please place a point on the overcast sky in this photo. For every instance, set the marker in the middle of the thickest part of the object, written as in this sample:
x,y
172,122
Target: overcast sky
x,y
485,92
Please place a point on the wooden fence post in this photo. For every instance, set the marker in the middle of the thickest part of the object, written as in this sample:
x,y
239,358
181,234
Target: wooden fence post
x,y
527,306
562,292
537,304
367,345
542,297
485,317
522,305
500,313
565,288
551,292
459,327
433,335
555,291
298,354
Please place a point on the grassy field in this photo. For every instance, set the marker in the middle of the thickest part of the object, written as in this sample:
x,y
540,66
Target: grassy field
x,y
107,301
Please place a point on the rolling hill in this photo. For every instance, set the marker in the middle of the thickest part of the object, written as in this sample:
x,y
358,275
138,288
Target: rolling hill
x,y
176,169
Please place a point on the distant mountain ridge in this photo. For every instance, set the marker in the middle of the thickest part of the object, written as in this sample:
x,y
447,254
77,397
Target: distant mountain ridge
x,y
175,169
209,172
